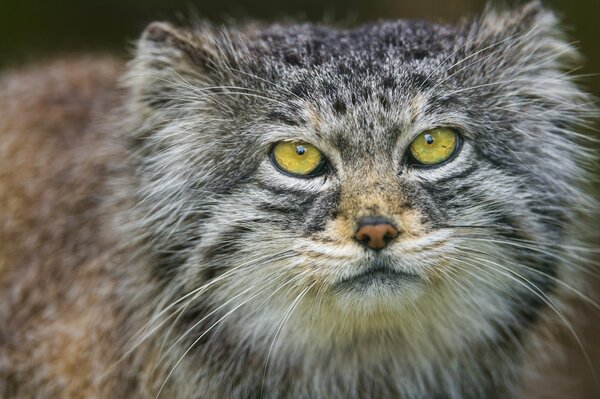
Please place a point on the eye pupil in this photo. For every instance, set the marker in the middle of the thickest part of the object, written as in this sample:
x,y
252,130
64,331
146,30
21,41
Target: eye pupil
x,y
300,150
428,139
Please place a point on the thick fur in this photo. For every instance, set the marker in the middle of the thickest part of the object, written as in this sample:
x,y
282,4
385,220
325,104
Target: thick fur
x,y
151,248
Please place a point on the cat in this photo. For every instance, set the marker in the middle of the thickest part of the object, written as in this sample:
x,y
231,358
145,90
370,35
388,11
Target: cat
x,y
397,210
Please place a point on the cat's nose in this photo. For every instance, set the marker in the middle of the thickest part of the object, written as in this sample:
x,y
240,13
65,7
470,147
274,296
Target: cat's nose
x,y
375,232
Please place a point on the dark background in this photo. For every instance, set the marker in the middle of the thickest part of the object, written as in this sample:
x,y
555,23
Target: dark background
x,y
34,29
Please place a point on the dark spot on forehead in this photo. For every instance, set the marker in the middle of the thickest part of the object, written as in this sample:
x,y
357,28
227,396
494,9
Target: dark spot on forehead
x,y
384,102
420,81
344,70
329,89
446,101
352,51
301,89
339,106
420,54
389,83
342,142
366,93
293,58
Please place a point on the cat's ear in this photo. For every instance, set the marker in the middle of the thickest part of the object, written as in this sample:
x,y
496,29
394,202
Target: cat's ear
x,y
169,59
532,15
530,34
523,50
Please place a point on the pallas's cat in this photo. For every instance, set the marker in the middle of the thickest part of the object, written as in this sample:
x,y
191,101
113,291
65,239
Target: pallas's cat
x,y
296,211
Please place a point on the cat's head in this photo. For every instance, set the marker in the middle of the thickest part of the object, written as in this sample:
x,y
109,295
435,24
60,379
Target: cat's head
x,y
396,181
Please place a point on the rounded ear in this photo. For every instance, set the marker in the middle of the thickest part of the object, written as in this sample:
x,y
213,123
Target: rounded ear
x,y
528,16
168,59
163,40
525,39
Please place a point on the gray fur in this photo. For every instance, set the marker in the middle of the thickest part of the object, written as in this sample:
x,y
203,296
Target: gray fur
x,y
220,223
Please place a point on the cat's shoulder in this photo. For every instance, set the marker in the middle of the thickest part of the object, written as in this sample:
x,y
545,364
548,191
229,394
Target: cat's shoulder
x,y
53,144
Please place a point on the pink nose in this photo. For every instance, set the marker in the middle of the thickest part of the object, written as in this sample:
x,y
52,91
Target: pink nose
x,y
375,232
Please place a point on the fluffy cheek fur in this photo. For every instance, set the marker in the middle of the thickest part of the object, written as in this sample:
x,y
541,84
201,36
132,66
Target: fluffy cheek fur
x,y
257,254
280,283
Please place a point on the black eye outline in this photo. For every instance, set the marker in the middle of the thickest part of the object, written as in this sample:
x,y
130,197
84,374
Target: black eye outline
x,y
412,161
321,169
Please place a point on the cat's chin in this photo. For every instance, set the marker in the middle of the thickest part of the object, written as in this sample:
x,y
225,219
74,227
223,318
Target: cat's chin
x,y
377,278
378,289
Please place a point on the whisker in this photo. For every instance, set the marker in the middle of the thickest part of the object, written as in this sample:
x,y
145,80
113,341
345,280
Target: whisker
x,y
272,282
546,251
535,290
287,314
466,43
201,336
153,325
213,312
278,86
540,272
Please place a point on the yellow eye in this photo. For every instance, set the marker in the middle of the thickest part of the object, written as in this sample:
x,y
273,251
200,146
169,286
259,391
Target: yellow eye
x,y
432,147
297,158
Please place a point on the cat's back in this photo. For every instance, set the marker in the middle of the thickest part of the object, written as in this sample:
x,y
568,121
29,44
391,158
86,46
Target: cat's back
x,y
55,160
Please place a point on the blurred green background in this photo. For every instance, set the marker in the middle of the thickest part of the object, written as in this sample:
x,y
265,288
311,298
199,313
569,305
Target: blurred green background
x,y
33,29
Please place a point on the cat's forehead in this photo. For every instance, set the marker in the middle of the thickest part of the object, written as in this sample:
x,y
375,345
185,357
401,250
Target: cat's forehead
x,y
368,79
358,49
358,89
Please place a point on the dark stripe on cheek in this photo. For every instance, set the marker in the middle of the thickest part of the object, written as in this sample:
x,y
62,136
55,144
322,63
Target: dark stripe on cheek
x,y
389,83
325,208
385,104
169,259
459,175
291,207
536,271
228,244
438,200
286,191
532,303
281,209
420,81
299,211
456,195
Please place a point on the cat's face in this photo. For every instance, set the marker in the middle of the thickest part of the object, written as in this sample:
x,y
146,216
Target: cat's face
x,y
400,177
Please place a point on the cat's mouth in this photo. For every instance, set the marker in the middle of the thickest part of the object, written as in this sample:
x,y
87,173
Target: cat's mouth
x,y
378,275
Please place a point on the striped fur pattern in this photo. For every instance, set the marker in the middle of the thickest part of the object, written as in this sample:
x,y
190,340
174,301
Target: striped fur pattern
x,y
234,276
259,256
